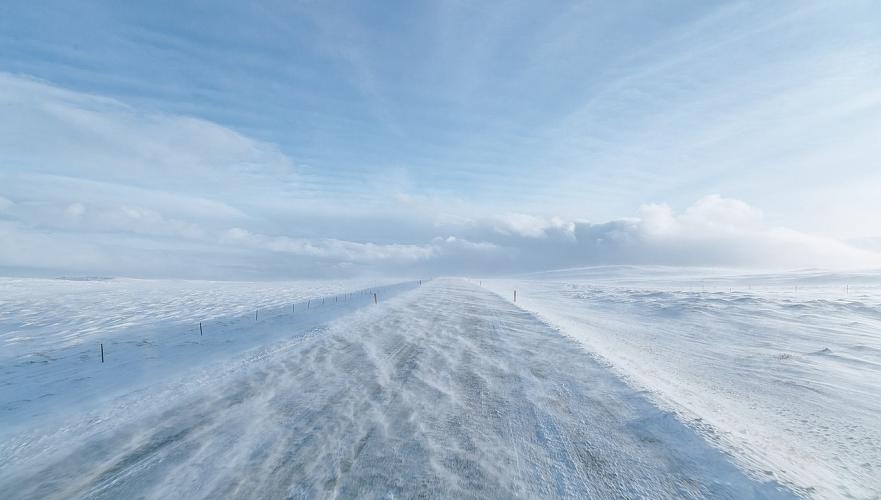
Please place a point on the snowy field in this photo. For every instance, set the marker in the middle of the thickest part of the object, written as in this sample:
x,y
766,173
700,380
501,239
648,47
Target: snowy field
x,y
444,390
783,371
51,331
48,314
602,382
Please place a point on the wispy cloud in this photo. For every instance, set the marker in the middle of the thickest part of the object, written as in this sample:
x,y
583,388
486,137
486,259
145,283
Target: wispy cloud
x,y
307,138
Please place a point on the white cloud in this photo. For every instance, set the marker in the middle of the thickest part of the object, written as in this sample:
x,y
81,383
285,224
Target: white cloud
x,y
530,226
76,135
716,214
5,204
713,231
101,187
710,215
75,210
355,252
331,249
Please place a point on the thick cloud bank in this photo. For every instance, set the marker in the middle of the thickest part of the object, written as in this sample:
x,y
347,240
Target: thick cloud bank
x,y
715,231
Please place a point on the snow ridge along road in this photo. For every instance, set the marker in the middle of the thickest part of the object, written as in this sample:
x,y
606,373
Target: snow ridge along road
x,y
445,391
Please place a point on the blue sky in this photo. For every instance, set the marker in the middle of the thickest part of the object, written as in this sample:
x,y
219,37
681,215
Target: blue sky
x,y
279,139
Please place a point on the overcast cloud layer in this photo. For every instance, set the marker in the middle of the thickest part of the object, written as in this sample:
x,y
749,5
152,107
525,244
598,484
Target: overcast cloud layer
x,y
529,139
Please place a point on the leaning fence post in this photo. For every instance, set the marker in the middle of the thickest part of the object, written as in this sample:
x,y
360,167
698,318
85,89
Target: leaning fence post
x,y
102,352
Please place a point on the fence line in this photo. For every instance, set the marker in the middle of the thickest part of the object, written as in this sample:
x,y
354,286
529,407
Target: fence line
x,y
268,315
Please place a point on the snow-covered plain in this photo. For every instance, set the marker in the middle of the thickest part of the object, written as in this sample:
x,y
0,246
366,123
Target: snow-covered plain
x,y
47,314
781,370
439,391
51,332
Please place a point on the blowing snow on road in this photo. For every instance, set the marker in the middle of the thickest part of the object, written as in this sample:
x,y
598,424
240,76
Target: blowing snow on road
x,y
444,391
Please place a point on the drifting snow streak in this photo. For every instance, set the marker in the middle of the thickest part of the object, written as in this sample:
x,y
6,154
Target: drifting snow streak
x,y
447,391
34,384
782,370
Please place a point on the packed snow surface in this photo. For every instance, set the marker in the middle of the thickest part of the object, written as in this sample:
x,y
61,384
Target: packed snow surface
x,y
443,390
781,370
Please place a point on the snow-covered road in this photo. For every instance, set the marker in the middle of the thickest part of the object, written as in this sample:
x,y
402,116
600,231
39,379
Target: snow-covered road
x,y
445,391
782,370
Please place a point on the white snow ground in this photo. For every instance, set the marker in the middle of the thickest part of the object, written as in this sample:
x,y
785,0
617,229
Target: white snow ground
x,y
445,390
781,370
51,331
47,314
